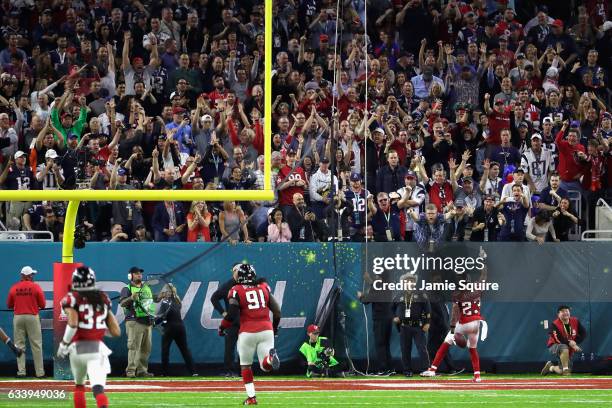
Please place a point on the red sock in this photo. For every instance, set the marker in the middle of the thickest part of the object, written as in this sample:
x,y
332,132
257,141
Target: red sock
x,y
265,364
247,375
475,360
440,355
79,397
102,400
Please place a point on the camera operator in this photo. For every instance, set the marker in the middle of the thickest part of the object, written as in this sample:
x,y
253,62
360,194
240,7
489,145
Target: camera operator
x,y
319,356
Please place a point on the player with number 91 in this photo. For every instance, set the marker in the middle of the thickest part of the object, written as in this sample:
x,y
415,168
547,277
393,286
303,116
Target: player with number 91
x,y
465,324
89,318
251,302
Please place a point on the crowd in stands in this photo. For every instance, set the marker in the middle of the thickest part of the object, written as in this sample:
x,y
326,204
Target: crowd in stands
x,y
396,120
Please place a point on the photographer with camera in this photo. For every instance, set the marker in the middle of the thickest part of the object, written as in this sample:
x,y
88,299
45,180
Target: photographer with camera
x,y
49,174
137,302
319,356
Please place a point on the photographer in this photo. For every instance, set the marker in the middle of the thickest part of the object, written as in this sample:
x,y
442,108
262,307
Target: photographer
x,y
319,356
49,174
169,316
564,338
137,302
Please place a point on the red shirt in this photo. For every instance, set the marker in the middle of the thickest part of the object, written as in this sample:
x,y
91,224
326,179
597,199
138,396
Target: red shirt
x,y
568,168
192,235
254,310
26,298
92,320
285,197
497,122
468,304
440,196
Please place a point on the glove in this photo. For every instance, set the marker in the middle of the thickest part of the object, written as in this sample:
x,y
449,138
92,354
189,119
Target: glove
x,y
221,331
225,324
63,350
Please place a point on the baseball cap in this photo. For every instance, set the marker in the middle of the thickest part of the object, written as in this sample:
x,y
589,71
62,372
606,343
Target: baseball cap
x,y
519,170
178,110
547,119
323,38
470,14
51,154
557,23
122,171
575,124
536,136
27,270
520,55
523,124
313,328
355,177
140,226
606,115
206,117
381,130
47,11
73,136
459,202
325,160
467,180
410,174
66,114
311,85
19,153
135,269
291,152
276,155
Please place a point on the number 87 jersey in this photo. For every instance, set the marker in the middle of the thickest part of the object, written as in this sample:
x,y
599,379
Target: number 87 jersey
x,y
92,320
254,310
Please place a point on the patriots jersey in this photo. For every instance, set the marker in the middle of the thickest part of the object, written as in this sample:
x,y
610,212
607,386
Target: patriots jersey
x,y
360,206
254,310
92,320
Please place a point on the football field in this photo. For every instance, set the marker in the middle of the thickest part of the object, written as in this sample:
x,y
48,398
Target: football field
x,y
494,391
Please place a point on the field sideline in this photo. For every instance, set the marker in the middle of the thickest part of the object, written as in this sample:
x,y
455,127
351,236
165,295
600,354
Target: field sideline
x,y
495,390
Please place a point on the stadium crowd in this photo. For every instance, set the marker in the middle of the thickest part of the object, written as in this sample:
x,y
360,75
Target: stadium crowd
x,y
484,120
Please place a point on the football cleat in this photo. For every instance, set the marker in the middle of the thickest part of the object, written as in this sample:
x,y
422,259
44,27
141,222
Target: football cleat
x,y
274,360
428,373
476,378
250,401
546,369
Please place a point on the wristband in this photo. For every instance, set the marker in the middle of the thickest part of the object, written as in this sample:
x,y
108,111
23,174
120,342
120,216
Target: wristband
x,y
69,334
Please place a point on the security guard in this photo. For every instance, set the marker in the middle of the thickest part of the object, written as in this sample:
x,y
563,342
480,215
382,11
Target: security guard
x,y
412,317
137,301
319,356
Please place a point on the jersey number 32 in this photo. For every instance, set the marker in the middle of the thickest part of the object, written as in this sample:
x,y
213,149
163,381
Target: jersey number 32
x,y
90,320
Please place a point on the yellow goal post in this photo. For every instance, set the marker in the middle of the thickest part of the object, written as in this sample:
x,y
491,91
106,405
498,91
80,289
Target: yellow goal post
x,y
74,197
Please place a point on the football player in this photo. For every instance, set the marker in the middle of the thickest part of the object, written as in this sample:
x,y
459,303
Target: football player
x,y
250,301
89,318
466,310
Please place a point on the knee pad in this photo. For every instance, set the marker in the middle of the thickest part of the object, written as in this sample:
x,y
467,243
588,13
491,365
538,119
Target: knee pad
x,y
97,390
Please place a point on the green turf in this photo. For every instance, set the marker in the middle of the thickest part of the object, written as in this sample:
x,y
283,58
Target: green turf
x,y
374,398
468,398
